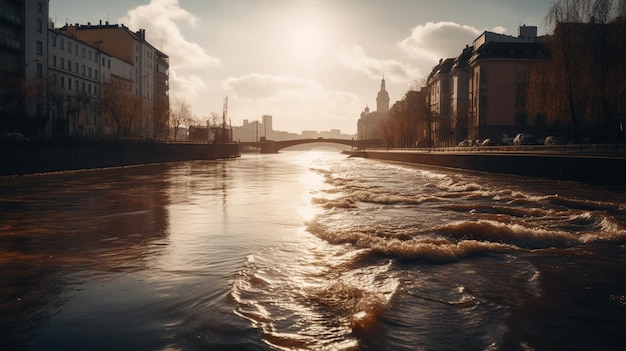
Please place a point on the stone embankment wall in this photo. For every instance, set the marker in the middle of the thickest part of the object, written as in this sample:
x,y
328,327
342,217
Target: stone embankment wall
x,y
599,169
26,158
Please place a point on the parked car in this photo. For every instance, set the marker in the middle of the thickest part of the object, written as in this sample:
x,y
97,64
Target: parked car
x,y
524,139
489,142
16,137
554,140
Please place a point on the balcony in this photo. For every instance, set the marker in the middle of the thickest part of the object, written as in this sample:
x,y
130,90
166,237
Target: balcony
x,y
6,42
10,18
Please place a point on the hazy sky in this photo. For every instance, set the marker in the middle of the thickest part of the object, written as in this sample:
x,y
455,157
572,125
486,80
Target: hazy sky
x,y
312,64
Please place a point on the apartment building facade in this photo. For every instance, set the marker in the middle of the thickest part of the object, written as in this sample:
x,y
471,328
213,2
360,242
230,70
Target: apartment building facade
x,y
52,80
482,92
23,65
150,75
74,86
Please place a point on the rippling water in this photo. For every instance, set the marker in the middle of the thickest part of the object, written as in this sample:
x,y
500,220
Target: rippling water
x,y
309,251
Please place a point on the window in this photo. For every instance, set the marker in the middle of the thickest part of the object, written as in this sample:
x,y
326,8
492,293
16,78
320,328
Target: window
x,y
76,67
483,99
540,119
109,62
483,75
84,89
83,52
62,65
39,48
53,80
82,70
62,82
69,47
39,7
521,74
69,65
54,41
69,84
521,119
96,75
39,70
89,72
39,26
76,49
482,118
62,44
103,62
54,61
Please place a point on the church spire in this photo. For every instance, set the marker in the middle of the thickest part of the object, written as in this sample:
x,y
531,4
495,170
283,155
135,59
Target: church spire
x,y
382,100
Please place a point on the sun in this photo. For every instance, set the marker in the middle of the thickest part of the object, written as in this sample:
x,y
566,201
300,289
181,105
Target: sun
x,y
307,42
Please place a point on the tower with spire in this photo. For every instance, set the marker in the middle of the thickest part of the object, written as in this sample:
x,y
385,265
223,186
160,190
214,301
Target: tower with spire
x,y
382,100
369,123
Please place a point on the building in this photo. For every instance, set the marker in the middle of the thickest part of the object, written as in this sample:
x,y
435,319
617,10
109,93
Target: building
x,y
440,103
368,125
151,66
459,96
75,71
482,92
56,82
23,65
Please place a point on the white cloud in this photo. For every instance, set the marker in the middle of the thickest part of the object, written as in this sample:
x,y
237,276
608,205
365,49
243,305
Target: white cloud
x,y
355,58
432,41
160,19
297,103
262,86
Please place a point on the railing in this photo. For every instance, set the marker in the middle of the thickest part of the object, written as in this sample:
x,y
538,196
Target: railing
x,y
574,149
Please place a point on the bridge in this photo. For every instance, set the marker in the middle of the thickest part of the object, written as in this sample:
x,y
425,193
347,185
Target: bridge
x,y
270,146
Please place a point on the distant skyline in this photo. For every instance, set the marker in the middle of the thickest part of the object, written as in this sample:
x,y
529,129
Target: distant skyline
x,y
311,64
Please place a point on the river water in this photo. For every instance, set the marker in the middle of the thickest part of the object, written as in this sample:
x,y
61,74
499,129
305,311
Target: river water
x,y
309,251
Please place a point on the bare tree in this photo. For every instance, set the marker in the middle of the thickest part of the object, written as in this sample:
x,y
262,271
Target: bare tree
x,y
11,96
161,117
180,115
581,83
406,122
122,106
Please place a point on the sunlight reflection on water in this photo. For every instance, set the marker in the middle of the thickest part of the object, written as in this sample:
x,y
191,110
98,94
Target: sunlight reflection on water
x,y
302,250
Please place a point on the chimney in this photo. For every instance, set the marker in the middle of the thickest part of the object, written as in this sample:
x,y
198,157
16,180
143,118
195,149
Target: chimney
x,y
527,32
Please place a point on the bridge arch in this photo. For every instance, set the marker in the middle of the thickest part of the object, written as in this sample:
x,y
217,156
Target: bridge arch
x,y
270,146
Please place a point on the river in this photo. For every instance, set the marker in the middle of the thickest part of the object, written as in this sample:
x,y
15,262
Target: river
x,y
309,250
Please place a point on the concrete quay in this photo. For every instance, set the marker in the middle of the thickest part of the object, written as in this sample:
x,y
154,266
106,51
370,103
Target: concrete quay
x,y
591,164
40,157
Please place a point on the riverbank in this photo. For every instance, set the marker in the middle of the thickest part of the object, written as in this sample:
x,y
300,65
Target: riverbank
x,y
598,168
28,158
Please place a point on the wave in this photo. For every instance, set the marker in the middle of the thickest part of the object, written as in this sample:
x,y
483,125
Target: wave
x,y
507,233
467,238
584,204
313,296
425,247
